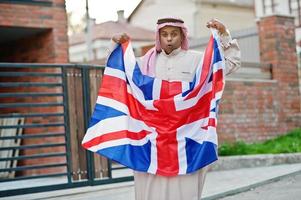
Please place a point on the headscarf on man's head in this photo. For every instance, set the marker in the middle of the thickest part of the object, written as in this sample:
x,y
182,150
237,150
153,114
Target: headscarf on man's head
x,y
148,62
171,21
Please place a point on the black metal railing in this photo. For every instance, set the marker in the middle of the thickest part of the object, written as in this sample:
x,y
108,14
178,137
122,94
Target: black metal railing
x,y
30,2
44,112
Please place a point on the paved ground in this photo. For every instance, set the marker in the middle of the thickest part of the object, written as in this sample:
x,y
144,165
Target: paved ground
x,y
221,183
287,188
218,184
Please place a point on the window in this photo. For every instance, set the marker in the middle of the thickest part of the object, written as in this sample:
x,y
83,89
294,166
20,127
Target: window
x,y
268,6
295,10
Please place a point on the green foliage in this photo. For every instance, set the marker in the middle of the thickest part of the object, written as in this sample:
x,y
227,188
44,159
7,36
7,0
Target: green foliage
x,y
289,143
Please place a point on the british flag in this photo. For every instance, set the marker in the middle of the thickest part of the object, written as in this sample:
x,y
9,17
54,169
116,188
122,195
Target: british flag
x,y
157,126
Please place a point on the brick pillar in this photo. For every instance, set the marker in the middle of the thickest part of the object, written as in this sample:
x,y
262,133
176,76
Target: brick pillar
x,y
278,47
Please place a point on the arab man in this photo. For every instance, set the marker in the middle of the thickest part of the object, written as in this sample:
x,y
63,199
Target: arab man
x,y
171,59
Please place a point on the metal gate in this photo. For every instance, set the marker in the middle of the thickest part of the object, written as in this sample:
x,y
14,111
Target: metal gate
x,y
44,112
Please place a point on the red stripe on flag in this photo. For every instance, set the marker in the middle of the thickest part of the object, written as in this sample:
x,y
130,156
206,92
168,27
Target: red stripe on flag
x,y
114,88
211,122
164,90
167,153
124,46
170,89
115,136
207,60
218,81
205,69
199,111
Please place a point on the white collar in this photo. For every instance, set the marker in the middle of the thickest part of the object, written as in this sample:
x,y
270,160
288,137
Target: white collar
x,y
173,53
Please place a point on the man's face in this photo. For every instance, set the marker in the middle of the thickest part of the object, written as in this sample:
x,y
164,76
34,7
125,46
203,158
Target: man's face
x,y
170,38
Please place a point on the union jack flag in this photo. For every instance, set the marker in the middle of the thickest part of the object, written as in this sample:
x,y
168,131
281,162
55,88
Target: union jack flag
x,y
157,126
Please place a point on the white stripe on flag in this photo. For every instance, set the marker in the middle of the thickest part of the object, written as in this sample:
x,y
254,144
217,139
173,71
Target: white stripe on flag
x,y
214,100
115,124
182,154
113,104
153,162
129,61
115,73
180,104
194,132
119,142
217,66
129,64
185,86
157,89
213,103
219,94
212,115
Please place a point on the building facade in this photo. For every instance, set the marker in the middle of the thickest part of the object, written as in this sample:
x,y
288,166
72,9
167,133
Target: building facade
x,y
101,35
236,15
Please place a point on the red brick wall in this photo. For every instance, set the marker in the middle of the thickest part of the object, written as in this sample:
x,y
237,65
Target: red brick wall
x,y
249,111
259,110
53,18
48,46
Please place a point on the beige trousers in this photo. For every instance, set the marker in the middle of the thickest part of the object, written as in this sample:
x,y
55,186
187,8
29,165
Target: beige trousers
x,y
182,187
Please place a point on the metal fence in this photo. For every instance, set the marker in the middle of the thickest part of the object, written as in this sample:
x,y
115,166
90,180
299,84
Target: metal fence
x,y
44,112
29,2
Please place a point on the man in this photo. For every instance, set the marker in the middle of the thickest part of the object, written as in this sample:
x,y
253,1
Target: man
x,y
170,59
